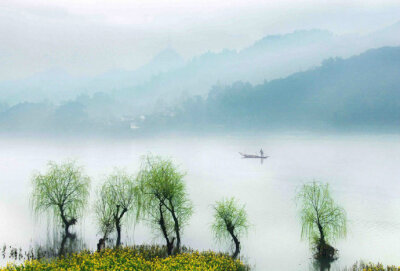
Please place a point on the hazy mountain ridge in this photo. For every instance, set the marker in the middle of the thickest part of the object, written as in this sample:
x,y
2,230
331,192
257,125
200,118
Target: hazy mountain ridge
x,y
272,57
359,92
167,75
56,85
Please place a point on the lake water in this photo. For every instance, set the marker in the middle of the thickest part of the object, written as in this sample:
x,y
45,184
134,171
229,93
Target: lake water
x,y
363,173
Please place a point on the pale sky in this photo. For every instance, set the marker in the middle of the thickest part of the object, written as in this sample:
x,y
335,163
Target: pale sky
x,y
87,37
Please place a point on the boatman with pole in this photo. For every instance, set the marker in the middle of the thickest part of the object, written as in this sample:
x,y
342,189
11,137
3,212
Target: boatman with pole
x,y
261,152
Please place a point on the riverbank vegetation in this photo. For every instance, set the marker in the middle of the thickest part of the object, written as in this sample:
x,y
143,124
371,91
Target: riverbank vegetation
x,y
322,220
230,222
362,266
151,258
157,196
118,200
166,205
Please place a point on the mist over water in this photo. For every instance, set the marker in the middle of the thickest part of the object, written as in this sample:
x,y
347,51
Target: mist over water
x,y
315,84
362,172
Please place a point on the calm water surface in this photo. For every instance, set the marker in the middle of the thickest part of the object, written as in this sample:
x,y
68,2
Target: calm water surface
x,y
363,172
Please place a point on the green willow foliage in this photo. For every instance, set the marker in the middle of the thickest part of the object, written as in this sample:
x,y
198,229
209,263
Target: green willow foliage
x,y
165,200
322,220
63,191
230,222
118,200
103,214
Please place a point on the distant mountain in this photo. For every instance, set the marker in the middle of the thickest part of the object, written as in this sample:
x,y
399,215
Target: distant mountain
x,y
297,38
57,85
355,93
171,78
360,92
272,57
168,60
269,58
387,36
167,79
165,61
53,85
25,117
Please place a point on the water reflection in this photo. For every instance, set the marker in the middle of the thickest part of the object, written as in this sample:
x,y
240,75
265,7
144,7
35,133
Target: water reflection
x,y
58,245
55,246
261,159
362,172
324,257
69,244
323,263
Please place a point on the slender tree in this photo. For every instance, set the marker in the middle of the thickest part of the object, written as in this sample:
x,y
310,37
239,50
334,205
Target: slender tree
x,y
118,199
161,222
322,220
104,217
63,190
165,199
230,222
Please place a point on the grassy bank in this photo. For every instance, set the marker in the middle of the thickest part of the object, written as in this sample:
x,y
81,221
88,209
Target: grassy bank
x,y
137,258
361,266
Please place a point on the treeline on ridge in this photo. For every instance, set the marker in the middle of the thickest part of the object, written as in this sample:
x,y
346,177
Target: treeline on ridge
x,y
361,92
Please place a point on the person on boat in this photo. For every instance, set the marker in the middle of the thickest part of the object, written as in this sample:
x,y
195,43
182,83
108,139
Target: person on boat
x,y
261,152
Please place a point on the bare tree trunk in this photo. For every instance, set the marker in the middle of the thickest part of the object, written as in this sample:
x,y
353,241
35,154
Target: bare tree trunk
x,y
321,244
326,252
170,244
321,234
101,244
62,246
176,227
118,226
65,238
67,223
237,246
118,218
231,229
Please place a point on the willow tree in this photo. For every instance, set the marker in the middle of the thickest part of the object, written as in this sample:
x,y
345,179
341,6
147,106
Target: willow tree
x,y
118,201
322,220
230,222
104,217
63,191
165,199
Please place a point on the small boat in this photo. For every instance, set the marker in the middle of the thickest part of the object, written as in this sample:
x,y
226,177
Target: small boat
x,y
253,156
